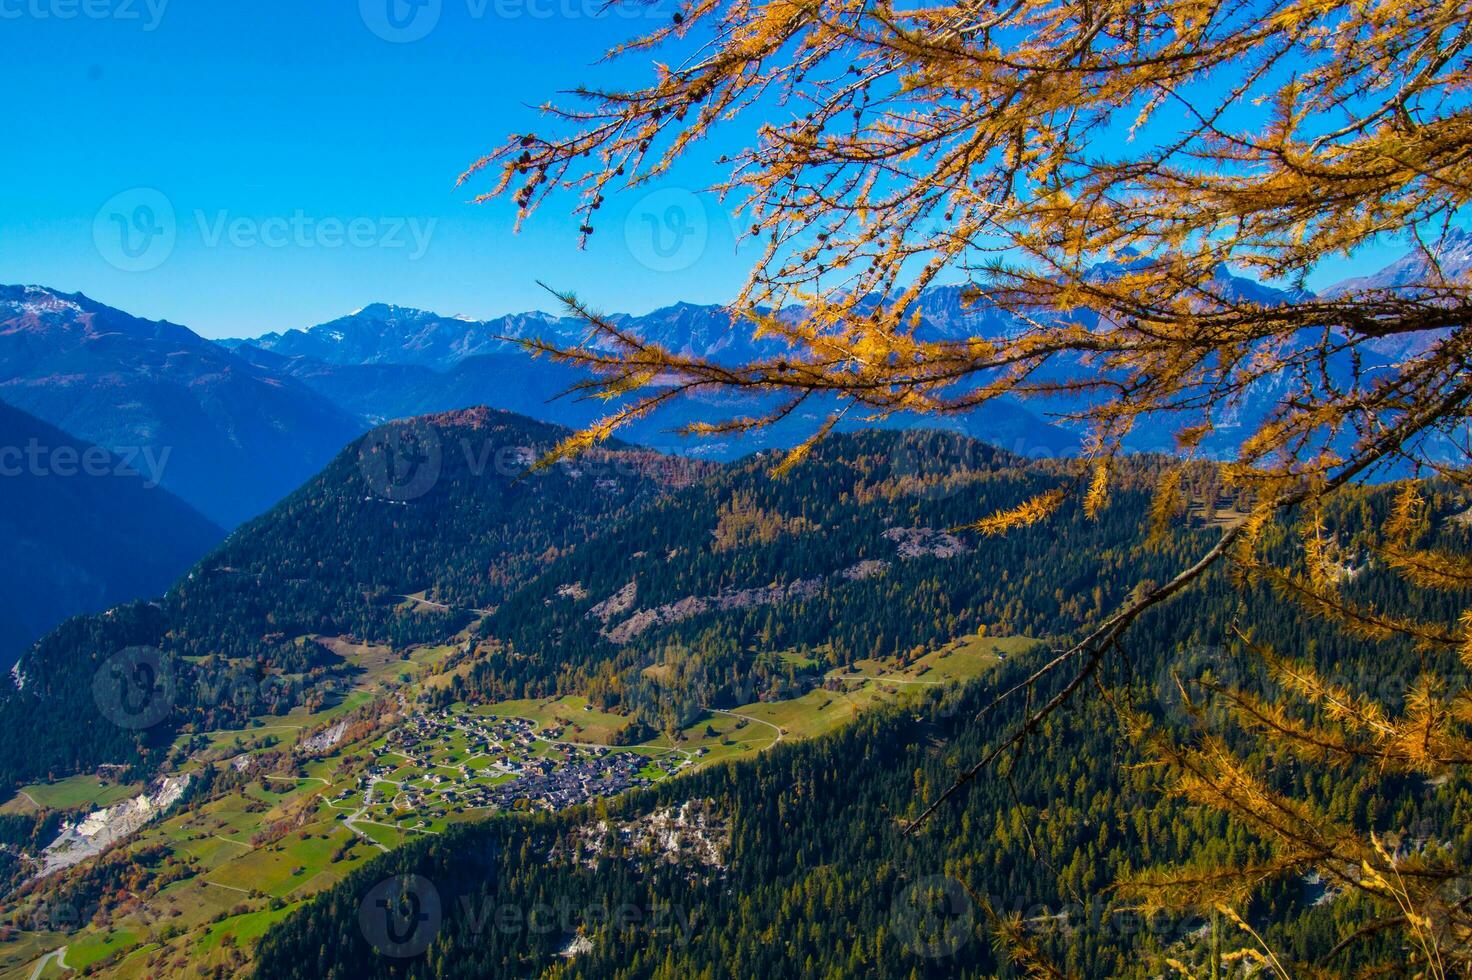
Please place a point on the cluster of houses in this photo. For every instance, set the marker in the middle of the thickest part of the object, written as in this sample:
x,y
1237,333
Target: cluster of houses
x,y
558,783
506,764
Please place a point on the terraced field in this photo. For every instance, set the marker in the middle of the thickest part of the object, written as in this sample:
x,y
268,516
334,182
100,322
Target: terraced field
x,y
69,794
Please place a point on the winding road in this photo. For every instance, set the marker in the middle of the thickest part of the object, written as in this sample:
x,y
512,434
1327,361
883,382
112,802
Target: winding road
x,y
440,605
887,680
781,733
58,954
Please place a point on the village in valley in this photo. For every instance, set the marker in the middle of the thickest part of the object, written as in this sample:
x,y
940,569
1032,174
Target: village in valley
x,y
248,824
444,763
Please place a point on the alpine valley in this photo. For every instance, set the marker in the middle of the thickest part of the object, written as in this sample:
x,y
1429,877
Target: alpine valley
x,y
660,710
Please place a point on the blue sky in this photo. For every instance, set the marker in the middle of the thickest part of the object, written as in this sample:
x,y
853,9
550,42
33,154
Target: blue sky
x,y
244,167
310,164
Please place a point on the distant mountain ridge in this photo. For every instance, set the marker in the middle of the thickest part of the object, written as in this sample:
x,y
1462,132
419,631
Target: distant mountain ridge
x,y
382,333
387,361
238,437
1453,258
246,421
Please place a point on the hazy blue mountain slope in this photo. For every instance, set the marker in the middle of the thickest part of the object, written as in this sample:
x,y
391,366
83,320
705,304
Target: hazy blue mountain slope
x,y
81,530
225,435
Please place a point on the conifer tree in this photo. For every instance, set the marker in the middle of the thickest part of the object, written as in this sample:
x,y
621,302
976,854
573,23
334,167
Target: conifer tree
x,y
1090,170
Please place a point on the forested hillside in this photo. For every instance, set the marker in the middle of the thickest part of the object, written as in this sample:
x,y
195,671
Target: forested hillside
x,y
652,584
819,878
584,575
856,553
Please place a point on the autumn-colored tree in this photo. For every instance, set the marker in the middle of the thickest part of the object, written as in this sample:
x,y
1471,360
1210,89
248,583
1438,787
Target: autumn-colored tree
x,y
1088,170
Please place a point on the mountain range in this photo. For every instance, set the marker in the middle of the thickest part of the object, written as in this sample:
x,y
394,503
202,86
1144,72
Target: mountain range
x,y
1444,259
1452,255
292,398
385,334
385,362
234,426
